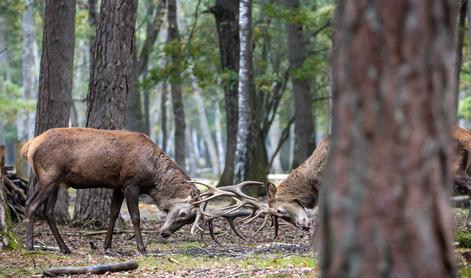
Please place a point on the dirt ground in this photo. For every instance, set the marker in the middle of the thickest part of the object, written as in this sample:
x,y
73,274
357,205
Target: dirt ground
x,y
186,255
182,255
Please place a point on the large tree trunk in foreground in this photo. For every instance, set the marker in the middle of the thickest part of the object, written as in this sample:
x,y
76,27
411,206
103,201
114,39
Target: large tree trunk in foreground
x,y
245,132
305,136
55,80
175,84
226,13
385,209
110,82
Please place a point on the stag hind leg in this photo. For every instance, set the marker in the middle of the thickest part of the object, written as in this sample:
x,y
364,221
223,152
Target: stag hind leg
x,y
132,200
51,221
116,202
33,204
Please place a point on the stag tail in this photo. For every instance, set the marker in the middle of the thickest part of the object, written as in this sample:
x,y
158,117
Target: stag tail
x,y
24,149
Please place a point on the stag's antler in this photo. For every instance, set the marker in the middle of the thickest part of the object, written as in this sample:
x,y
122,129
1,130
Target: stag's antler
x,y
231,212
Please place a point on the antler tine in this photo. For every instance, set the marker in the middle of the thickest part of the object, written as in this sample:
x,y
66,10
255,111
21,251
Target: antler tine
x,y
211,231
265,221
233,227
275,223
237,189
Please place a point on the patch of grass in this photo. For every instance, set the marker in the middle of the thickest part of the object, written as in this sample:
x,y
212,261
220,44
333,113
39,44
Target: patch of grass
x,y
463,238
185,262
465,272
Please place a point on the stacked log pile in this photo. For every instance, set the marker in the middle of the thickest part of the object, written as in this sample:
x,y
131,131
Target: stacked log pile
x,y
15,189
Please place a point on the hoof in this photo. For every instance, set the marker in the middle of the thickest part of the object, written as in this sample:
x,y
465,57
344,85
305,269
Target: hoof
x,y
65,250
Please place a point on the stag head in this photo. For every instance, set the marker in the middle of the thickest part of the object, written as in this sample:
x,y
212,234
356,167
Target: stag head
x,y
180,213
289,210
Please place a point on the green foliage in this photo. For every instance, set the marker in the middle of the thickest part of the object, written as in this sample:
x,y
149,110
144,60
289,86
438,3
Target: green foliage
x,y
463,238
11,102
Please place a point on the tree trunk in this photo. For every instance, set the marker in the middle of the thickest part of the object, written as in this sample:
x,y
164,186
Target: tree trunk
x,y
385,208
204,125
92,21
459,48
305,137
175,84
219,140
226,13
245,132
135,119
274,137
5,72
55,80
7,236
29,72
109,85
163,120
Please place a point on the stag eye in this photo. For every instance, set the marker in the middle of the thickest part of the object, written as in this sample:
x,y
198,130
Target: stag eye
x,y
182,214
280,210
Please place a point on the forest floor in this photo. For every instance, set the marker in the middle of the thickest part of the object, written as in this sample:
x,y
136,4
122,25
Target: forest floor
x,y
182,255
186,255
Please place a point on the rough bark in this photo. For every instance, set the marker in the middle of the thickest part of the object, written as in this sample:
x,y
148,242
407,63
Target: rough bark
x,y
305,136
25,122
245,132
173,37
459,47
385,210
204,125
110,82
226,13
55,80
135,119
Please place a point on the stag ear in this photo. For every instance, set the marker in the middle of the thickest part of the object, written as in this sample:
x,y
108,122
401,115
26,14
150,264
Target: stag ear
x,y
271,191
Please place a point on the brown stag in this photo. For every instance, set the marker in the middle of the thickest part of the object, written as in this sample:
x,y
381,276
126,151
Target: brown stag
x,y
127,162
288,200
462,163
300,190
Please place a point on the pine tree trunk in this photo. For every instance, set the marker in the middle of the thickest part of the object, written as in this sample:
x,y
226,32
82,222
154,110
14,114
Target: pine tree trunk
x,y
26,118
136,118
385,208
204,125
226,13
245,132
175,84
219,140
163,119
305,138
55,80
7,237
5,72
110,82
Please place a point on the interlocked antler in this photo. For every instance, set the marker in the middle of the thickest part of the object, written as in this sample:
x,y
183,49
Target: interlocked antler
x,y
231,212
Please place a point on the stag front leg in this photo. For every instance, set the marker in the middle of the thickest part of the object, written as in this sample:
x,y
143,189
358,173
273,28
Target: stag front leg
x,y
32,205
116,202
51,221
132,201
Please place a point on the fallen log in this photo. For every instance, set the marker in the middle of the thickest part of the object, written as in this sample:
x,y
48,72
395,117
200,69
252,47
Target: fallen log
x,y
94,269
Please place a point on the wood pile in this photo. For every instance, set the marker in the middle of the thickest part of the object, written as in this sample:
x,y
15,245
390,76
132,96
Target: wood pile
x,y
16,189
